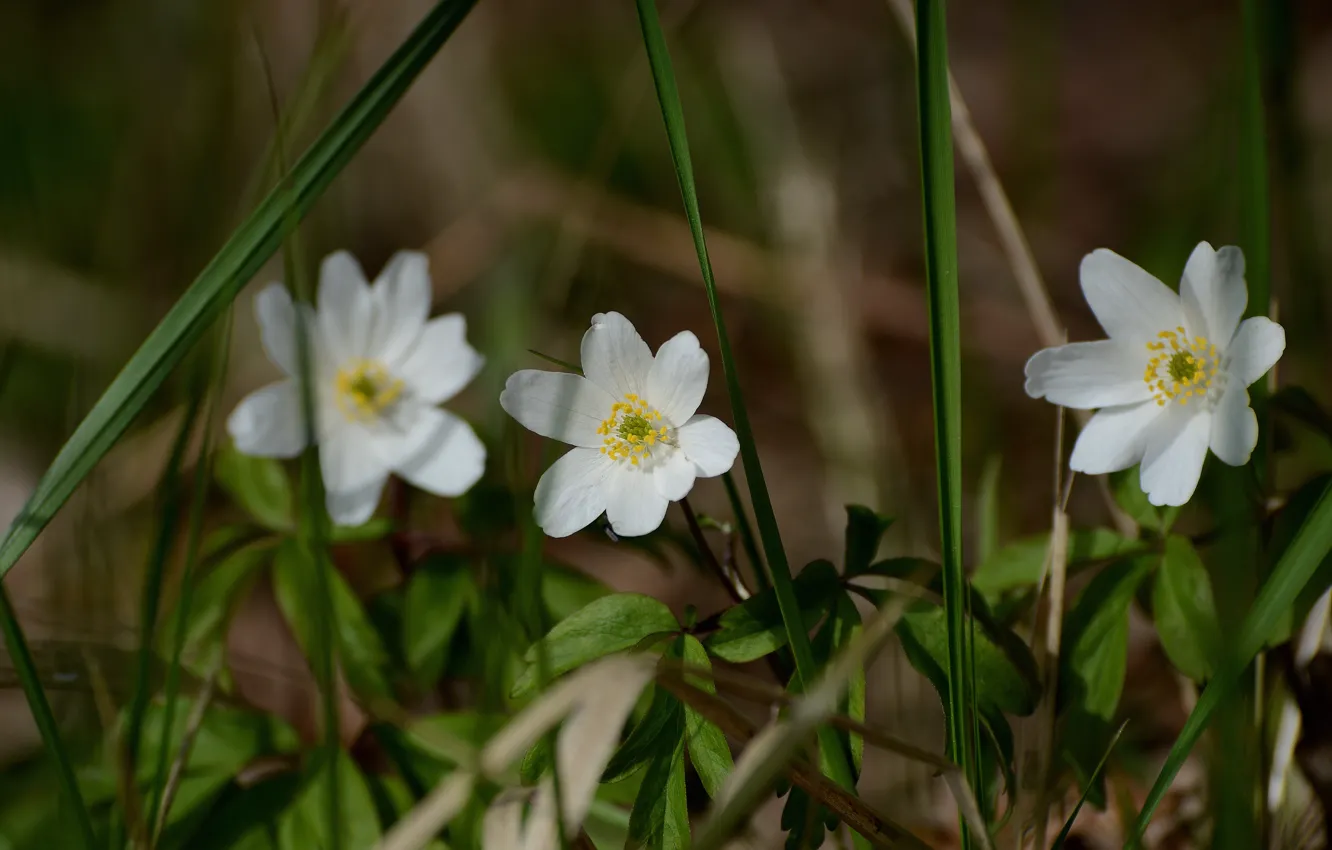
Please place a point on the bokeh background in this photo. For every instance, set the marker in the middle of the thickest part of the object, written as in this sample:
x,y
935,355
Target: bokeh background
x,y
529,161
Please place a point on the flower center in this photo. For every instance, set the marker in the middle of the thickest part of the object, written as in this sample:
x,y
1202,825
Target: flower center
x,y
632,430
1179,367
365,389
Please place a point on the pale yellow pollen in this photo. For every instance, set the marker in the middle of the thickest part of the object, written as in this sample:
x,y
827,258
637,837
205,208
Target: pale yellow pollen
x,y
632,430
1179,368
365,389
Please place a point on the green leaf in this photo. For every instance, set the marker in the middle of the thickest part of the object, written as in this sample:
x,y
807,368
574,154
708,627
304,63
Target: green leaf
x,y
258,484
1006,682
1096,637
362,652
864,530
1297,565
1184,610
660,817
246,818
1126,487
648,737
1284,528
304,826
375,528
987,509
803,819
756,627
437,595
235,264
708,751
610,624
1019,564
217,595
842,627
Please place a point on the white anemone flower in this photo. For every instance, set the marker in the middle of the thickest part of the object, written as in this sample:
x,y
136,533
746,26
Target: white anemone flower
x,y
379,369
639,443
1171,381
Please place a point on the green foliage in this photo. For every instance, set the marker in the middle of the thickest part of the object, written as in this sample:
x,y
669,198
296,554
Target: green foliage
x,y
1019,564
1062,837
304,825
864,529
1005,671
259,485
756,627
607,625
708,751
364,658
438,594
660,817
1184,610
663,718
1096,639
841,627
1127,489
805,821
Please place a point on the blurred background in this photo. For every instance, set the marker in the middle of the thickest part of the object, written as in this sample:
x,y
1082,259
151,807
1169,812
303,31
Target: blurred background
x,y
529,162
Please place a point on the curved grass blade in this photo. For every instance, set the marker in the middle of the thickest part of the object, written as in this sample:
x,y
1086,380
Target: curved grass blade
x,y
668,95
936,159
1091,782
246,251
1292,573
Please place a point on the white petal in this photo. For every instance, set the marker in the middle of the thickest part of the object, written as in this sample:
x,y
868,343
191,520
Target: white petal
x,y
346,310
615,357
277,326
1114,439
673,474
1087,375
268,422
1130,304
572,492
709,443
401,297
1257,346
354,474
1234,426
559,405
441,362
633,505
1176,448
1213,292
446,457
678,377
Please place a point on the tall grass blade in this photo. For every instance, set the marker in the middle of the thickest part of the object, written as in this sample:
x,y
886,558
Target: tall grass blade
x,y
1255,204
668,95
246,251
936,155
1062,837
1292,573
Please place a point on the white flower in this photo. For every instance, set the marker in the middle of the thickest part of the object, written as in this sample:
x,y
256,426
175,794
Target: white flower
x,y
1171,380
378,368
639,443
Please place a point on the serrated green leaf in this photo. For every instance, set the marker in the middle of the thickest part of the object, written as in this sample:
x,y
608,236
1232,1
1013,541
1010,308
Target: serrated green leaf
x,y
864,530
258,484
1096,637
361,650
708,751
1184,610
1019,564
840,628
610,624
663,718
1001,681
755,627
437,594
660,817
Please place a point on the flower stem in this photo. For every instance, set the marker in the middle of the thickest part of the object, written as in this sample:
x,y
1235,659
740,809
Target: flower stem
x,y
730,579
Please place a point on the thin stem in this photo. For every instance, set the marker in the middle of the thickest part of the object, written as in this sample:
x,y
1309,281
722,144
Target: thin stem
x,y
730,580
936,146
741,518
177,772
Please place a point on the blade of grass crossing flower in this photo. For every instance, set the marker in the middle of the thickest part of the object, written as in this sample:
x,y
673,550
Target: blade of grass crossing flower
x,y
203,478
936,151
1292,573
249,247
668,96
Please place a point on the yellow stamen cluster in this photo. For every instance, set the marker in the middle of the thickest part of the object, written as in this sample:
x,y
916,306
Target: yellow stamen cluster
x,y
365,389
631,430
1180,367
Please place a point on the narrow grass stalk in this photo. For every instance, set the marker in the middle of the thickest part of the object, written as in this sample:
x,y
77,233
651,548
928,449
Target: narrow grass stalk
x,y
668,95
1255,204
936,153
246,251
28,677
1311,544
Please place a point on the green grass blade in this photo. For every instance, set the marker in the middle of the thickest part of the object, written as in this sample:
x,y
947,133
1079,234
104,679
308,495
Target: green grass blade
x,y
1292,573
936,156
248,249
1091,782
28,677
668,95
1255,205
